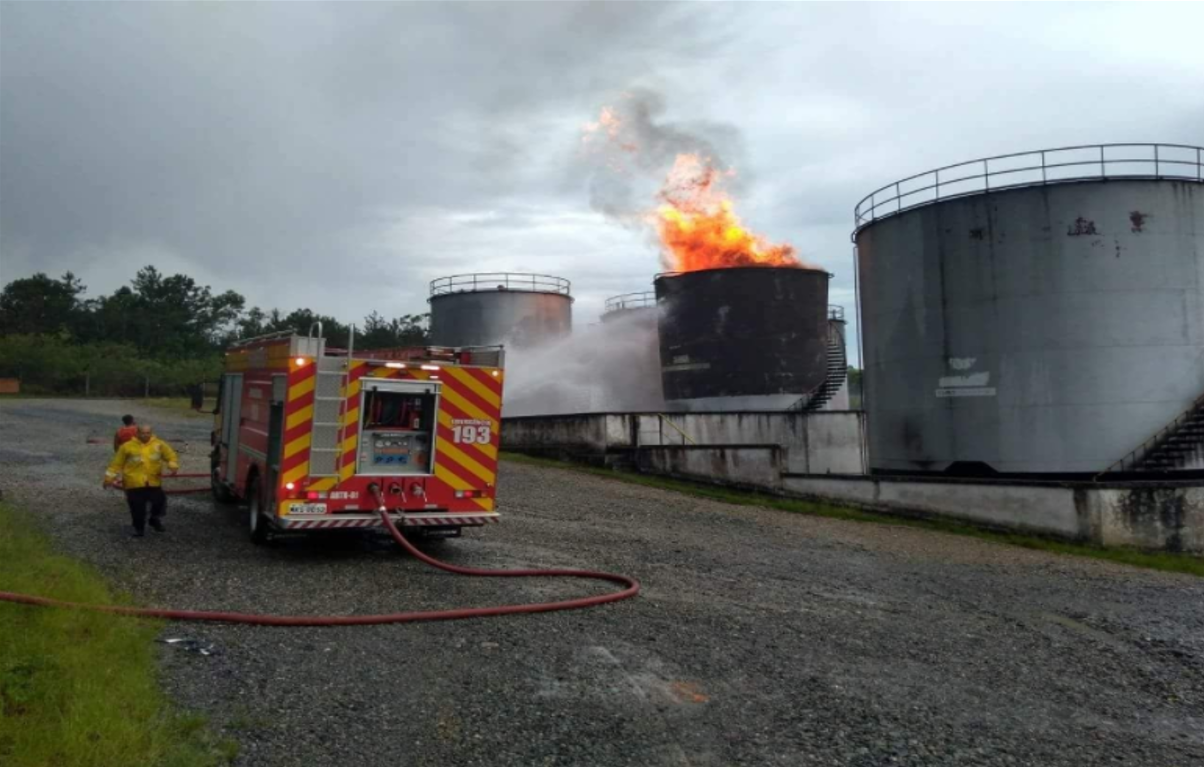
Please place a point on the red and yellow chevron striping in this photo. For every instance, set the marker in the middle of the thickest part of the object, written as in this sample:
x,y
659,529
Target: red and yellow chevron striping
x,y
469,404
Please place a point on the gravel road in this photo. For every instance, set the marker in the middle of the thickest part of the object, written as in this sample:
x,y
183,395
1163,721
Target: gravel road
x,y
761,638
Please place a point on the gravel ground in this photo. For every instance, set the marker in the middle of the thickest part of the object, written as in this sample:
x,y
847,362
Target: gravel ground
x,y
761,638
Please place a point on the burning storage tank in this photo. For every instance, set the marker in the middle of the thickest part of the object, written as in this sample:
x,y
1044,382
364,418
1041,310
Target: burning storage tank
x,y
1036,314
518,310
743,338
634,383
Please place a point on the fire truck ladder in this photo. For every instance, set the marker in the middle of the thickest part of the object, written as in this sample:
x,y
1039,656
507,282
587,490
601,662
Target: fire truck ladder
x,y
331,383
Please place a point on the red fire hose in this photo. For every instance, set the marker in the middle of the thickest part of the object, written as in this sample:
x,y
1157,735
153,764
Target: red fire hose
x,y
187,490
631,588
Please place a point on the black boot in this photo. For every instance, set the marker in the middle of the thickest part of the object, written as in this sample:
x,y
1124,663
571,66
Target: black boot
x,y
157,526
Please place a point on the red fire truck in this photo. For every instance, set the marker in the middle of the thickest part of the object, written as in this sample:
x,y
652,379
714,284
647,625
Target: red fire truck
x,y
304,435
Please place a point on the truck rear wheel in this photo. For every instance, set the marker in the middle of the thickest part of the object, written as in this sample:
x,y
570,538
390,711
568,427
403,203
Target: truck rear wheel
x,y
258,525
221,493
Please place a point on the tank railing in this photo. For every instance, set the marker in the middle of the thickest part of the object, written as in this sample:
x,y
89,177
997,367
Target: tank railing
x,y
484,281
1047,166
836,312
631,301
1135,456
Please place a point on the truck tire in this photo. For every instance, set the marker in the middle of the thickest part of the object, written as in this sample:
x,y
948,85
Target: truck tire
x,y
221,493
258,525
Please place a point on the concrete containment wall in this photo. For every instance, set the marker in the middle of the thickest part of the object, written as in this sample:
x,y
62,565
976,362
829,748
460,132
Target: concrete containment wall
x,y
816,443
1048,509
580,436
1140,515
1149,517
748,466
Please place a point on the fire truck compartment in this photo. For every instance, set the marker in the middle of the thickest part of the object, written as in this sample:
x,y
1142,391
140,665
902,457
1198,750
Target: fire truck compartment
x,y
397,427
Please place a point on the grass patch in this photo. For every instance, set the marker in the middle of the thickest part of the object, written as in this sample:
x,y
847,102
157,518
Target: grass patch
x,y
1154,560
79,689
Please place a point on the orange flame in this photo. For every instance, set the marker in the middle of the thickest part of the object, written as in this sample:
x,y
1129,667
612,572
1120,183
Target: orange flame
x,y
696,221
699,229
608,121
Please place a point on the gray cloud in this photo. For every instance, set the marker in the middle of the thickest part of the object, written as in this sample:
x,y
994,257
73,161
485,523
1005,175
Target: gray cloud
x,y
340,155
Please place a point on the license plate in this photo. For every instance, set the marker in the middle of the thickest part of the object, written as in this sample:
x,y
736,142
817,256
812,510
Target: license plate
x,y
307,508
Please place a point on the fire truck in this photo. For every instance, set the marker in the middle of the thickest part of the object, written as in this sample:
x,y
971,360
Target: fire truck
x,y
306,436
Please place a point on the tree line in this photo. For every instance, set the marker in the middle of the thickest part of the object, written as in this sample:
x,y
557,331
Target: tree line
x,y
168,332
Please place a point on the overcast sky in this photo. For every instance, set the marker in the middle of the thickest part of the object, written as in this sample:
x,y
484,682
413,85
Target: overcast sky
x,y
339,156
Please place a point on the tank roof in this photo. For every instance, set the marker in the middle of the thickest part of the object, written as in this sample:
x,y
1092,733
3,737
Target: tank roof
x,y
640,300
1072,164
519,282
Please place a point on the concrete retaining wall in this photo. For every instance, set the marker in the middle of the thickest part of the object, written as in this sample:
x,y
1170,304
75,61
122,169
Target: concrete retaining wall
x,y
1147,516
815,443
584,437
1043,509
748,466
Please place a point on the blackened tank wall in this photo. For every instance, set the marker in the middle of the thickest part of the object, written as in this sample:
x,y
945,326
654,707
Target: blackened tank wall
x,y
1047,329
755,334
512,317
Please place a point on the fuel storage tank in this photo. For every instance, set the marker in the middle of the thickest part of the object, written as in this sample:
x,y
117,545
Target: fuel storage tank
x,y
742,338
518,310
632,380
1043,316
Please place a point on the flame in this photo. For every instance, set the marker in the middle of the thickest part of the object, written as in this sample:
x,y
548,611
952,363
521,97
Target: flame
x,y
699,228
695,220
608,122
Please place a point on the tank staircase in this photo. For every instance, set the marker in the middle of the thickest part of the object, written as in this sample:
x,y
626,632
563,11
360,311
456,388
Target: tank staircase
x,y
1170,449
837,375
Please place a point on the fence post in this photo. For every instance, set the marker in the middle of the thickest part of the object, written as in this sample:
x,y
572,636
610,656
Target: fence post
x,y
87,384
146,388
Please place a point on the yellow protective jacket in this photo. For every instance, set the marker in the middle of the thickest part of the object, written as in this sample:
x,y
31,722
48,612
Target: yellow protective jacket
x,y
141,465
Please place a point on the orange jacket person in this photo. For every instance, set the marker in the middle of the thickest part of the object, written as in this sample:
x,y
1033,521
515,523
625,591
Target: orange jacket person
x,y
139,465
127,432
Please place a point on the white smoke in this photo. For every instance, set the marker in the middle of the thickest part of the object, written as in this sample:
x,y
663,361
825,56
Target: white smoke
x,y
609,367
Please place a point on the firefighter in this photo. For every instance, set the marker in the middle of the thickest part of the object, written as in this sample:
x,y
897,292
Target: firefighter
x,y
138,465
128,431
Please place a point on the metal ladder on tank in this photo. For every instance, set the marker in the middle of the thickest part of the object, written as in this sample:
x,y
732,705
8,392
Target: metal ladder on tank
x,y
1168,449
836,377
331,383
